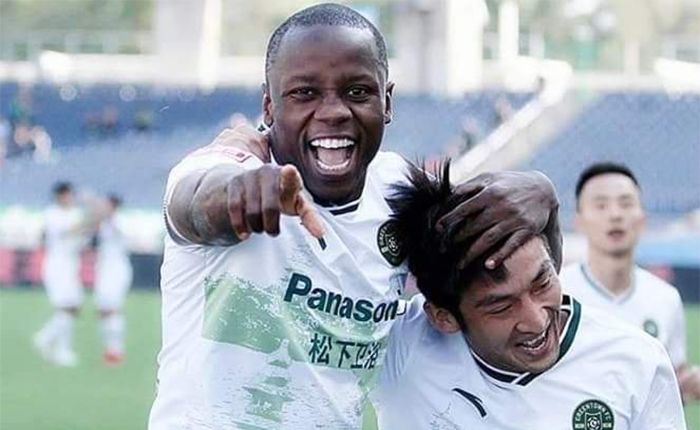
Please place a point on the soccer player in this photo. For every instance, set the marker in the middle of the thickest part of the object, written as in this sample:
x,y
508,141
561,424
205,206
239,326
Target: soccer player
x,y
65,236
113,280
609,213
269,324
504,349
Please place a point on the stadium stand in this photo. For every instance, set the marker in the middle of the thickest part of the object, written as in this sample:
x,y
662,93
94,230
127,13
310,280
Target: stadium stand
x,y
655,133
134,162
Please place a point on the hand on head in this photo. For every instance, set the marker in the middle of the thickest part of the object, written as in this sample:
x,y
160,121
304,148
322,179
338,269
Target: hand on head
x,y
500,213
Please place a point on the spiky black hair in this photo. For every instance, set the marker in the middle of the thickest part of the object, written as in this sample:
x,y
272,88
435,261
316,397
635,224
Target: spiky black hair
x,y
417,207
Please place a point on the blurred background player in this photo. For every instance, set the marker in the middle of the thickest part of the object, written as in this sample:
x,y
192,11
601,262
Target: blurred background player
x,y
609,214
65,237
113,280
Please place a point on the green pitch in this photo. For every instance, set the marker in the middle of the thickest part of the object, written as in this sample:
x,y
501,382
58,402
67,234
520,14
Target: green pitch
x,y
35,395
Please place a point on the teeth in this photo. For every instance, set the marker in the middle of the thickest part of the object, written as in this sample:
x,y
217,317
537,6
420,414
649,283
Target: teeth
x,y
340,166
534,343
332,143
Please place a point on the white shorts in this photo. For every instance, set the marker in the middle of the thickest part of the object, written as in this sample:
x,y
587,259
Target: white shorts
x,y
61,276
112,282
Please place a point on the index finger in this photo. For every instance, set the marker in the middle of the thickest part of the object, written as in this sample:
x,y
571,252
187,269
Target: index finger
x,y
290,185
293,202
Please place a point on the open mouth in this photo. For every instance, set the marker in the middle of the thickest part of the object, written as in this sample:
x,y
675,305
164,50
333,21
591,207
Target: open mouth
x,y
538,344
333,155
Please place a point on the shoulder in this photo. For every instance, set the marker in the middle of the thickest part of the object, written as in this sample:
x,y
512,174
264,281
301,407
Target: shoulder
x,y
389,168
210,156
572,278
650,284
613,335
570,271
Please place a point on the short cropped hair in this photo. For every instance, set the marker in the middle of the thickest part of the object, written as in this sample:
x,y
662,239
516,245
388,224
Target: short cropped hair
x,y
114,199
602,168
325,14
61,187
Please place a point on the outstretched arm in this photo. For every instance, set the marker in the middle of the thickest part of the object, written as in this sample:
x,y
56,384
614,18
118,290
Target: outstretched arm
x,y
227,203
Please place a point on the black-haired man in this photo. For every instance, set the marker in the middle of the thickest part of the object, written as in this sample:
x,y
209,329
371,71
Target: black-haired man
x,y
285,330
504,349
610,215
65,235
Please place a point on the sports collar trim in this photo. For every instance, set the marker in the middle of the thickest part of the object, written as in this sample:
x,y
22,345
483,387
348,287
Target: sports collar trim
x,y
607,294
565,342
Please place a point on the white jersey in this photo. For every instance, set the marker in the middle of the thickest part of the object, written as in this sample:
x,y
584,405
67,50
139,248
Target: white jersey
x,y
62,241
650,304
285,332
61,267
114,272
609,376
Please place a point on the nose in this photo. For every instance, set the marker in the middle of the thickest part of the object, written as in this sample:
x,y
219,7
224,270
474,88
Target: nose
x,y
615,212
332,110
534,317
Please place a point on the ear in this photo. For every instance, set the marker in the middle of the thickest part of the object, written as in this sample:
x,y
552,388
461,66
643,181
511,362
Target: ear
x,y
267,106
389,102
441,319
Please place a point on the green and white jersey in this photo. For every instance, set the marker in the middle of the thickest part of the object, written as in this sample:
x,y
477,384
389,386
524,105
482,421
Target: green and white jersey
x,y
285,332
650,304
609,376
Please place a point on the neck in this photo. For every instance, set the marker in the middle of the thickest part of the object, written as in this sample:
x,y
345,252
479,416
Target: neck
x,y
613,272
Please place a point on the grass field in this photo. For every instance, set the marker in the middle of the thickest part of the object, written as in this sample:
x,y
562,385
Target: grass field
x,y
38,396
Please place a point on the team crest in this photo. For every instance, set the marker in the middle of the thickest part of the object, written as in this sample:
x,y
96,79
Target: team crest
x,y
389,244
593,415
651,327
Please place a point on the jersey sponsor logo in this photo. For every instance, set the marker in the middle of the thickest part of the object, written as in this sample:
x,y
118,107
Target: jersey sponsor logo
x,y
389,244
651,327
474,400
336,304
593,415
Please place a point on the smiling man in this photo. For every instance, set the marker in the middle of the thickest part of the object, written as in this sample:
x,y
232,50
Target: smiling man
x,y
504,349
269,324
610,215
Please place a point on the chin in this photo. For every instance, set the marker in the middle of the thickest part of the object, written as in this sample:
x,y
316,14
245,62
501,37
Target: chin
x,y
540,366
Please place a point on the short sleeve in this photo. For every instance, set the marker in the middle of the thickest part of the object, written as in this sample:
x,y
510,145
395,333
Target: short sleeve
x,y
663,408
202,160
676,344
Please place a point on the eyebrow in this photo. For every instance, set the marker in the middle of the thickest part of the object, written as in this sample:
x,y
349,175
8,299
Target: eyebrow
x,y
493,299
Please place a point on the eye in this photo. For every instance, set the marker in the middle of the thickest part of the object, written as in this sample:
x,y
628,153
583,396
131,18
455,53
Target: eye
x,y
500,310
303,93
358,93
542,287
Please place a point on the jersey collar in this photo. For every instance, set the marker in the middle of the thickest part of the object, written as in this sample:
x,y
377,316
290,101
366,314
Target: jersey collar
x,y
600,288
565,341
343,209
